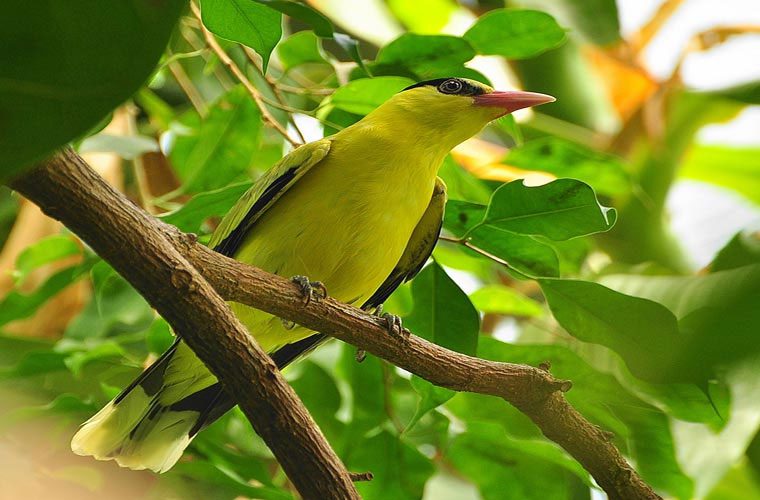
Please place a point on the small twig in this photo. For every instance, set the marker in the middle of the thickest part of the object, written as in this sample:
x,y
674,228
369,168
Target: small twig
x,y
235,70
361,476
272,84
184,82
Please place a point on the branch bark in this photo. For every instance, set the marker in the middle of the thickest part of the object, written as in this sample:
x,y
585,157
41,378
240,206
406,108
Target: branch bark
x,y
135,244
67,190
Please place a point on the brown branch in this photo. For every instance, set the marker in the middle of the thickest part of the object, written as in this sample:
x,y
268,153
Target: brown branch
x,y
135,244
64,193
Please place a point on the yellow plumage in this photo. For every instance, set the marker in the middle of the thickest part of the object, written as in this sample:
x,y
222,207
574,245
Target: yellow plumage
x,y
359,211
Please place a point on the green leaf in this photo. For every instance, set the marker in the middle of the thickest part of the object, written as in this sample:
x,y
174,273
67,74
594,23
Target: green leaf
x,y
16,305
644,333
443,314
500,299
559,210
604,172
368,388
219,149
731,167
717,312
128,147
244,21
364,95
320,24
491,459
427,56
400,471
742,250
351,47
515,34
300,48
423,16
521,253
216,203
596,20
63,68
43,252
317,389
115,308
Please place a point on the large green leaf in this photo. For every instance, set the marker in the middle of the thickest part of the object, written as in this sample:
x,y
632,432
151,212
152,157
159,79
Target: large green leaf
x,y
244,21
717,312
65,66
644,333
515,34
559,210
426,56
211,152
444,315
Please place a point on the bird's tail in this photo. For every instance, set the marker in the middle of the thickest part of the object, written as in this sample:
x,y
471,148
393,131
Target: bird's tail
x,y
149,425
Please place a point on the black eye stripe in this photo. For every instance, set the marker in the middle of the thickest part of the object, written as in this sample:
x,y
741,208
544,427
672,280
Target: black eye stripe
x,y
467,88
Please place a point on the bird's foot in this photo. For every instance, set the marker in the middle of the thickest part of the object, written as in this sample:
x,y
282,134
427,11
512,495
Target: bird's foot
x,y
311,290
393,323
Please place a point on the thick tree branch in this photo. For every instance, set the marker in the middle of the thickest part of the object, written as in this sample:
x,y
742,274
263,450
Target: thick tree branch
x,y
135,244
532,390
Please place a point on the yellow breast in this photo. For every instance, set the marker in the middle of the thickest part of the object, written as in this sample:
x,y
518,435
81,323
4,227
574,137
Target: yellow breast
x,y
345,223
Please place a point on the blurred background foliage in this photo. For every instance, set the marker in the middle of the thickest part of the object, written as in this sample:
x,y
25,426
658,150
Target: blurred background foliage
x,y
650,308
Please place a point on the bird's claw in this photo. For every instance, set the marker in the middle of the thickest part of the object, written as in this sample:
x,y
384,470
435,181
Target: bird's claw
x,y
393,323
311,290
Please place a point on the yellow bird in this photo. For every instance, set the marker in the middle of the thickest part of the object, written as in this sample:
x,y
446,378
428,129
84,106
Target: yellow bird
x,y
360,211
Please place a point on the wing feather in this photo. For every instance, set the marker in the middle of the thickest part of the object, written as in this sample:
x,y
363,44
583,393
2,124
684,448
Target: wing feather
x,y
263,194
419,248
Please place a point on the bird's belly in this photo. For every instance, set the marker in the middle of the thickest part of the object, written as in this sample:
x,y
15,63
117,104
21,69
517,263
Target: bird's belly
x,y
350,240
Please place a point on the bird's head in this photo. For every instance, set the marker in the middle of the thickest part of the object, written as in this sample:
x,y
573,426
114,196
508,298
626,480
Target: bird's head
x,y
455,109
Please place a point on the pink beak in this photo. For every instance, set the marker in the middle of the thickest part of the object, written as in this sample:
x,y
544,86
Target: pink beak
x,y
512,100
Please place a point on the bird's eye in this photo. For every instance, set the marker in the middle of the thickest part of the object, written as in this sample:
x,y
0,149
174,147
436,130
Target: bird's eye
x,y
451,86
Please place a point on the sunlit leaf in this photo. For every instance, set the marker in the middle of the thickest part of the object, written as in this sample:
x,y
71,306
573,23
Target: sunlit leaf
x,y
499,299
64,69
244,21
514,33
300,48
732,167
